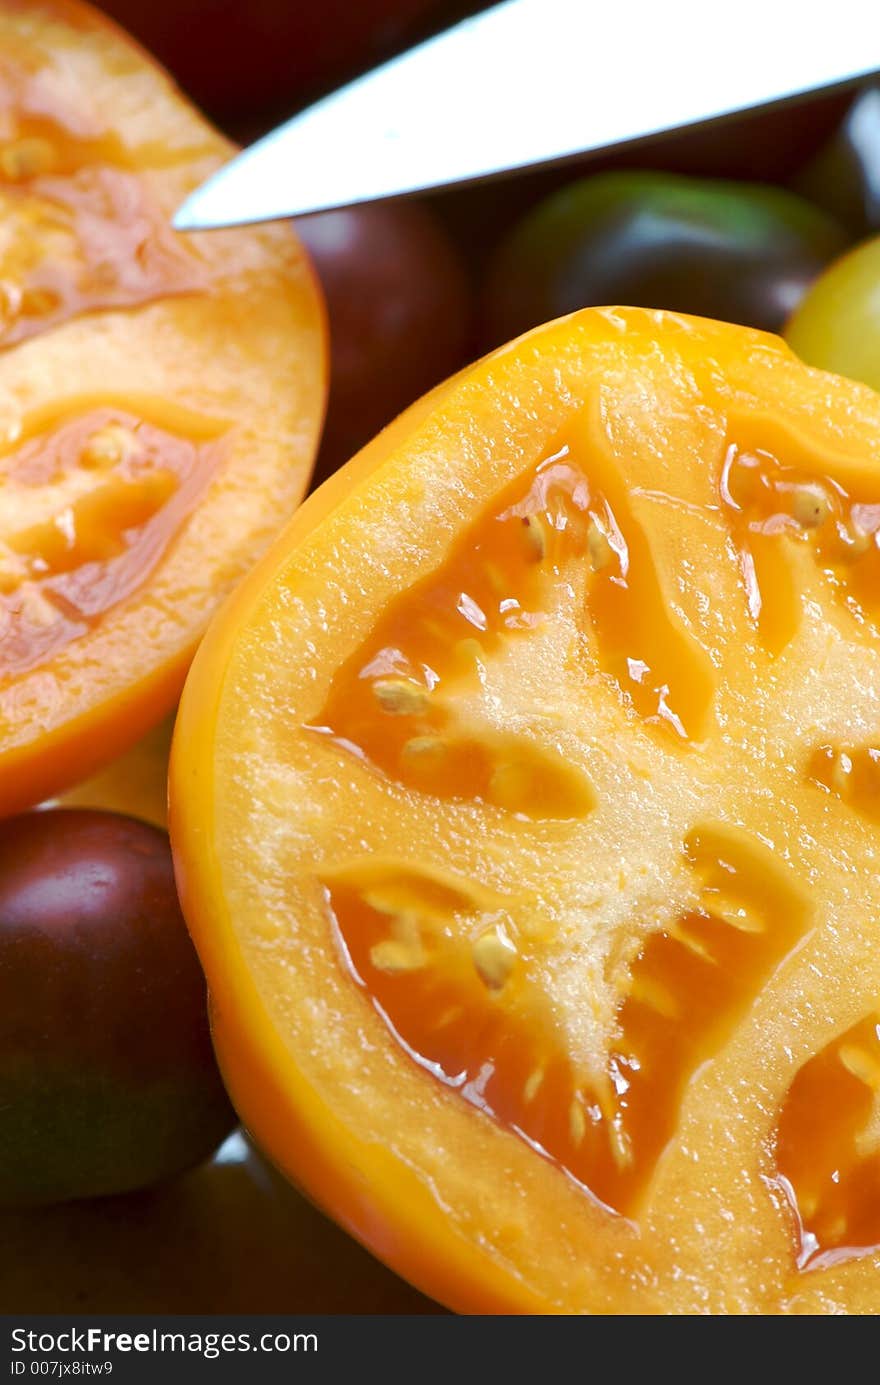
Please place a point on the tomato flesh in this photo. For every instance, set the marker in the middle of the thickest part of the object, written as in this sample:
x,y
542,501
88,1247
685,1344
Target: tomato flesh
x,y
449,973
118,488
162,395
430,645
402,703
830,1168
522,812
772,506
81,231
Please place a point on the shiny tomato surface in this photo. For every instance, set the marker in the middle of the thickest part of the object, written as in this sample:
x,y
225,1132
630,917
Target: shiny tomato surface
x,y
399,309
837,325
107,1075
738,252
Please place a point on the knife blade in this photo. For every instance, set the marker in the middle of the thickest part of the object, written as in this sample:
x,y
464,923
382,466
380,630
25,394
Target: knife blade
x,y
530,82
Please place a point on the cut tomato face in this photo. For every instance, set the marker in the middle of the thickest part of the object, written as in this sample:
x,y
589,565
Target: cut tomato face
x,y
524,811
160,395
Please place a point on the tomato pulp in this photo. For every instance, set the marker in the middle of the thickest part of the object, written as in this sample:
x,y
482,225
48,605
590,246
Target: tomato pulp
x,y
522,804
160,395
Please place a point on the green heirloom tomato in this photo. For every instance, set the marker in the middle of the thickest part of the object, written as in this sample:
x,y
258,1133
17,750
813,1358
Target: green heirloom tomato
x,y
741,252
837,326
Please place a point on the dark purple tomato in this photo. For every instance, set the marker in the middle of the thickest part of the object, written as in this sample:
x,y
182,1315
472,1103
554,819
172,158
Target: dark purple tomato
x,y
844,175
238,56
107,1075
740,252
399,313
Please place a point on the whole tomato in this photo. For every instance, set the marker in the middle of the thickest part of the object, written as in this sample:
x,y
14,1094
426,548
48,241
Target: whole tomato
x,y
235,57
837,325
107,1075
738,252
844,175
229,1237
399,313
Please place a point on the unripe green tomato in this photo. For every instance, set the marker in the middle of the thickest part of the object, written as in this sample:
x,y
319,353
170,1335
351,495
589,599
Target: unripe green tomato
x,y
837,325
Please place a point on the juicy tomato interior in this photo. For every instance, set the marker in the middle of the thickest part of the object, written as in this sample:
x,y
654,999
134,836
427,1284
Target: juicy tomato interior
x,y
828,1150
451,979
448,969
81,230
93,503
573,919
161,395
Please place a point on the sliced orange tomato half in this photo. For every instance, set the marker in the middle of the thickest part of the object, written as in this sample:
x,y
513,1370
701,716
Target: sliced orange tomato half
x,y
524,807
160,395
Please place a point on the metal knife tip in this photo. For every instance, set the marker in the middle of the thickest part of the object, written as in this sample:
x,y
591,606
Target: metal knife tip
x,y
208,209
192,215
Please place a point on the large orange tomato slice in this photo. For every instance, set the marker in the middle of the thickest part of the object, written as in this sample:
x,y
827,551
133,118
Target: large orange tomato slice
x,y
524,802
160,395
